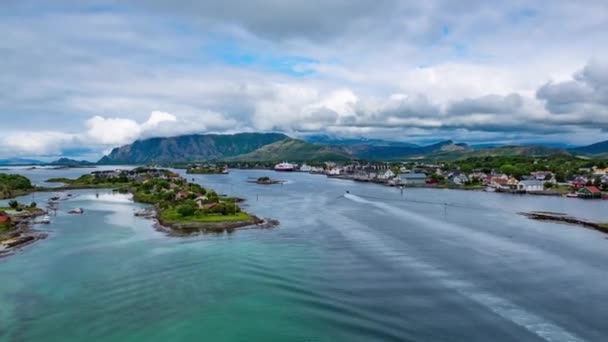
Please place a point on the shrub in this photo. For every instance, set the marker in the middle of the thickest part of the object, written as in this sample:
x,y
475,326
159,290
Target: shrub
x,y
185,210
13,204
33,205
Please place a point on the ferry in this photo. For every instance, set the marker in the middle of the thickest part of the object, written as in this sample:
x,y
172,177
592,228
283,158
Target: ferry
x,y
284,167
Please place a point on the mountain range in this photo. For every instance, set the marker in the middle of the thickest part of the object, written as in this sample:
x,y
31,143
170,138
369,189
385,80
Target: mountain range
x,y
280,147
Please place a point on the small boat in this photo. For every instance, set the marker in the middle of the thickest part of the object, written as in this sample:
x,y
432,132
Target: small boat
x,y
46,219
76,211
572,195
490,189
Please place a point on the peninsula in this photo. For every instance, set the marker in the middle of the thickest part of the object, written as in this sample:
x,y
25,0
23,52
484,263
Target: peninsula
x,y
181,206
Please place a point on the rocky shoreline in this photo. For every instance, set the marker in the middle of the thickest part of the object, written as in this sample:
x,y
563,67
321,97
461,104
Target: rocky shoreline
x,y
190,228
564,218
21,233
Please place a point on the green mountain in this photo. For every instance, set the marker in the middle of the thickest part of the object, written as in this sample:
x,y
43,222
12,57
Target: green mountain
x,y
529,151
597,148
294,150
187,148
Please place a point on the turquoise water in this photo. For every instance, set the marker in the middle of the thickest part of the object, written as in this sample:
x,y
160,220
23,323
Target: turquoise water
x,y
373,265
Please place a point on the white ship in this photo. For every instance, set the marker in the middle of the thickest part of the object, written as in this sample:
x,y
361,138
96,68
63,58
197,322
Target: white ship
x,y
284,167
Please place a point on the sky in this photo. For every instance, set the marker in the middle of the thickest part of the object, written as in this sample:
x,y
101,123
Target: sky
x,y
78,78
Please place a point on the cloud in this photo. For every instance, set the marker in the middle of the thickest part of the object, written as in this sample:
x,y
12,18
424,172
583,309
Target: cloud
x,y
489,104
583,100
120,131
96,75
35,143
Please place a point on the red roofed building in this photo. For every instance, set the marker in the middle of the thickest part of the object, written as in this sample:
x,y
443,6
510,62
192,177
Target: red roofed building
x,y
4,218
590,192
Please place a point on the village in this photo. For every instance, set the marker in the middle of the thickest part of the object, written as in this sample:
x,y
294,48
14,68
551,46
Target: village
x,y
590,183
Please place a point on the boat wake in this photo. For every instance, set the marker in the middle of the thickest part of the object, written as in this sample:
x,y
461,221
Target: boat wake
x,y
536,324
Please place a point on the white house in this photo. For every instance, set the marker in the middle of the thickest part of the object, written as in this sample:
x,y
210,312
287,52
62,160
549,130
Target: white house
x,y
412,178
386,175
531,185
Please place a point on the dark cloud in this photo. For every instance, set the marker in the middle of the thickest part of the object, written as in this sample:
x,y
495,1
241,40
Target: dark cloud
x,y
583,100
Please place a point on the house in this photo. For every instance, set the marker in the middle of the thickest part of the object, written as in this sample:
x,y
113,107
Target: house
x,y
4,218
579,182
531,185
386,175
546,176
513,183
182,194
458,179
600,171
589,192
412,178
200,201
334,171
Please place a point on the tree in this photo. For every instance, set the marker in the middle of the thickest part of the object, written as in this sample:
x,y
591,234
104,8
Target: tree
x,y
33,205
13,204
548,185
185,210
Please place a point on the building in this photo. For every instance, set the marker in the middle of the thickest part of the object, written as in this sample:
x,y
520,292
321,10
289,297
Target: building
x,y
458,179
4,218
412,178
589,192
531,185
386,175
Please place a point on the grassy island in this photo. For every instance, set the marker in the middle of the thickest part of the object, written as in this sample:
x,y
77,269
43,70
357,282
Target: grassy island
x,y
206,169
14,185
179,205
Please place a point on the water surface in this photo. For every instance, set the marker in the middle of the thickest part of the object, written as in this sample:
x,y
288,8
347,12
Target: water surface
x,y
371,265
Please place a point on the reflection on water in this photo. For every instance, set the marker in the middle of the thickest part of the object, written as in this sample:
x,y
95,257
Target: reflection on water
x,y
371,265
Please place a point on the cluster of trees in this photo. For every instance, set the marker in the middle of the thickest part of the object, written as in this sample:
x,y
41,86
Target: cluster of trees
x,y
16,182
11,183
563,166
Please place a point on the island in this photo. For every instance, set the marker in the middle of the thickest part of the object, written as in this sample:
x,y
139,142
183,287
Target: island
x,y
180,207
14,185
266,181
207,169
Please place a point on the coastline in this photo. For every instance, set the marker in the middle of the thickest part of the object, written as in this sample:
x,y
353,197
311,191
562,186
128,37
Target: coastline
x,y
566,219
21,232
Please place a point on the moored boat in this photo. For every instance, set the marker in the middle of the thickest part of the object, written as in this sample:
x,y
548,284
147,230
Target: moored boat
x,y
284,167
76,211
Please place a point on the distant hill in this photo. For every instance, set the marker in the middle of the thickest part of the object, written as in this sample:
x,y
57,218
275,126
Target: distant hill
x,y
531,151
400,152
296,151
187,148
280,147
597,148
337,141
70,162
19,161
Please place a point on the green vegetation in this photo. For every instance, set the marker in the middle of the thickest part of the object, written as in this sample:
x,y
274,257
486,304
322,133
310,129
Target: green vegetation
x,y
206,169
14,185
189,148
91,181
564,167
172,215
294,150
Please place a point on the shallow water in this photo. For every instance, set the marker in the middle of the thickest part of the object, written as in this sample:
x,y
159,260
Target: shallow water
x,y
372,265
